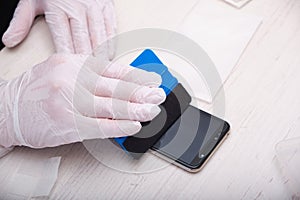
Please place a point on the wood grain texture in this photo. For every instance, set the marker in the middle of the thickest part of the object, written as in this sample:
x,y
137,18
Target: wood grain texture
x,y
262,104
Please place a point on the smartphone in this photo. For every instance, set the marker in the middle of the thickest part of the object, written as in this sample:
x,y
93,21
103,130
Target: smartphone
x,y
192,139
181,134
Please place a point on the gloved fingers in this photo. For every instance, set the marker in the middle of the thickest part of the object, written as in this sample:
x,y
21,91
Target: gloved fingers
x,y
93,128
115,88
128,91
97,30
103,107
110,21
80,34
59,26
131,74
20,24
123,72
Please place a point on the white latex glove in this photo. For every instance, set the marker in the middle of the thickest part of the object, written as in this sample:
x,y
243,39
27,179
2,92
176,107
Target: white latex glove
x,y
77,26
68,99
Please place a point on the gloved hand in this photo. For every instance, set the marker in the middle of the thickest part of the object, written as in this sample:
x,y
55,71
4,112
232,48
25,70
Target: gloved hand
x,y
69,98
77,26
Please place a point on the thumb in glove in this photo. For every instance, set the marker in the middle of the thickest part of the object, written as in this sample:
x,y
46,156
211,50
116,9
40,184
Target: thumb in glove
x,y
21,23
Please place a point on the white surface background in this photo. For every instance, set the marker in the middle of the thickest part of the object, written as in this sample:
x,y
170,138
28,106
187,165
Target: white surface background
x,y
262,105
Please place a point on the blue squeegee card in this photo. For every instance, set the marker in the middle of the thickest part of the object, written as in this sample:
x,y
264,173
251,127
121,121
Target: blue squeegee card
x,y
148,61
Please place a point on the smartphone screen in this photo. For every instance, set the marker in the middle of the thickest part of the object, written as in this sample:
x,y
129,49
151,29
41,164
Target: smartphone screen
x,y
192,138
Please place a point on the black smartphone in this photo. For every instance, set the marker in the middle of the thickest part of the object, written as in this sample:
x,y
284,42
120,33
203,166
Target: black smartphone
x,y
192,139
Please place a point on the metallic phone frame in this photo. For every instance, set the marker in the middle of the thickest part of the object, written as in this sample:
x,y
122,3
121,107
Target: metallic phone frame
x,y
177,164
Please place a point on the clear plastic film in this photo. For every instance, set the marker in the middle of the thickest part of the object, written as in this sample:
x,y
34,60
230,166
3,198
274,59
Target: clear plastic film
x,y
288,156
34,177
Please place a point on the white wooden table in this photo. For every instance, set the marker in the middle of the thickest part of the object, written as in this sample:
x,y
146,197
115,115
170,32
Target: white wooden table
x,y
262,104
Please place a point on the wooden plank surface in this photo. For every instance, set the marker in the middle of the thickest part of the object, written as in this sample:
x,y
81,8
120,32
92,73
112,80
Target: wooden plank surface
x,y
262,104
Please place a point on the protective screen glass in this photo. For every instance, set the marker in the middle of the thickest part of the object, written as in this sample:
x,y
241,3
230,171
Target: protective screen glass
x,y
192,138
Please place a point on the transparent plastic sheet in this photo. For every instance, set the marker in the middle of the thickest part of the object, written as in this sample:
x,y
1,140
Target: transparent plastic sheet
x,y
232,30
34,177
288,156
237,3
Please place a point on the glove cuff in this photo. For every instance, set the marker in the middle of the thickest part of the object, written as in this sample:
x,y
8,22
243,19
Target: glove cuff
x,y
4,136
4,151
7,138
